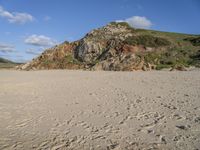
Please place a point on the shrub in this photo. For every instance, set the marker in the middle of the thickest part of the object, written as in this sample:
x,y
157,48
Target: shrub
x,y
194,40
71,60
125,24
195,59
162,66
147,40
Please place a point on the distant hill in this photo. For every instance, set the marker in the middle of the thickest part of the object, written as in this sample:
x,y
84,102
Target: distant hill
x,y
3,60
7,64
119,47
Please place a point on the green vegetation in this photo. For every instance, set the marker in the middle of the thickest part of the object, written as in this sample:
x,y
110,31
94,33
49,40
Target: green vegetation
x,y
46,62
195,59
162,66
147,40
194,40
125,24
68,59
179,49
173,57
71,60
2,60
66,42
7,64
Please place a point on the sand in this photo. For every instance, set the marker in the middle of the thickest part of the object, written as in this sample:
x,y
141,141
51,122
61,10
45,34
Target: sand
x,y
99,110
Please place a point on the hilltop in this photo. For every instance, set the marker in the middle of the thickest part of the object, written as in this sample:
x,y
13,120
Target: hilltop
x,y
119,47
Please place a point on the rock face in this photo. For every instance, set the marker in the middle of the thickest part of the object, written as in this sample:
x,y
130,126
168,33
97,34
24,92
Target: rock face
x,y
116,47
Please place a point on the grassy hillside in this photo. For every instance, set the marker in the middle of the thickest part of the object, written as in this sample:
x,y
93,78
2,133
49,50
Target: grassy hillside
x,y
182,50
7,64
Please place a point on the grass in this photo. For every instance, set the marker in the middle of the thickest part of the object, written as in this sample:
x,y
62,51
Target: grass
x,y
194,40
147,40
125,24
179,49
2,60
162,66
68,59
171,58
195,59
7,64
71,60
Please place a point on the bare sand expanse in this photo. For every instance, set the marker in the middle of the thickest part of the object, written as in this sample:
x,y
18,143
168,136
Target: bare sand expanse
x,y
99,110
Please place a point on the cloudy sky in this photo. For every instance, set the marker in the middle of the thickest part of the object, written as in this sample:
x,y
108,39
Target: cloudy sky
x,y
27,27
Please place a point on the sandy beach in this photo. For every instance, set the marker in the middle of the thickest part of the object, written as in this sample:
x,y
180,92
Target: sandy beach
x,y
63,109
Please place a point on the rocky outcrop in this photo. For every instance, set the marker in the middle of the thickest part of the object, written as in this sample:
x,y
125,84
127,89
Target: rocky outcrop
x,y
116,47
58,57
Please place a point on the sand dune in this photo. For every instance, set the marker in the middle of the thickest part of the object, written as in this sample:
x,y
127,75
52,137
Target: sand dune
x,y
99,110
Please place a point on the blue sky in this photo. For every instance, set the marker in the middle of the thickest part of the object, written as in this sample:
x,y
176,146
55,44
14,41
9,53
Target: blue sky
x,y
27,27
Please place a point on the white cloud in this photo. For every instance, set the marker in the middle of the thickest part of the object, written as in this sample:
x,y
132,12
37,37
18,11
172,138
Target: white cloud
x,y
16,17
40,40
138,22
5,48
